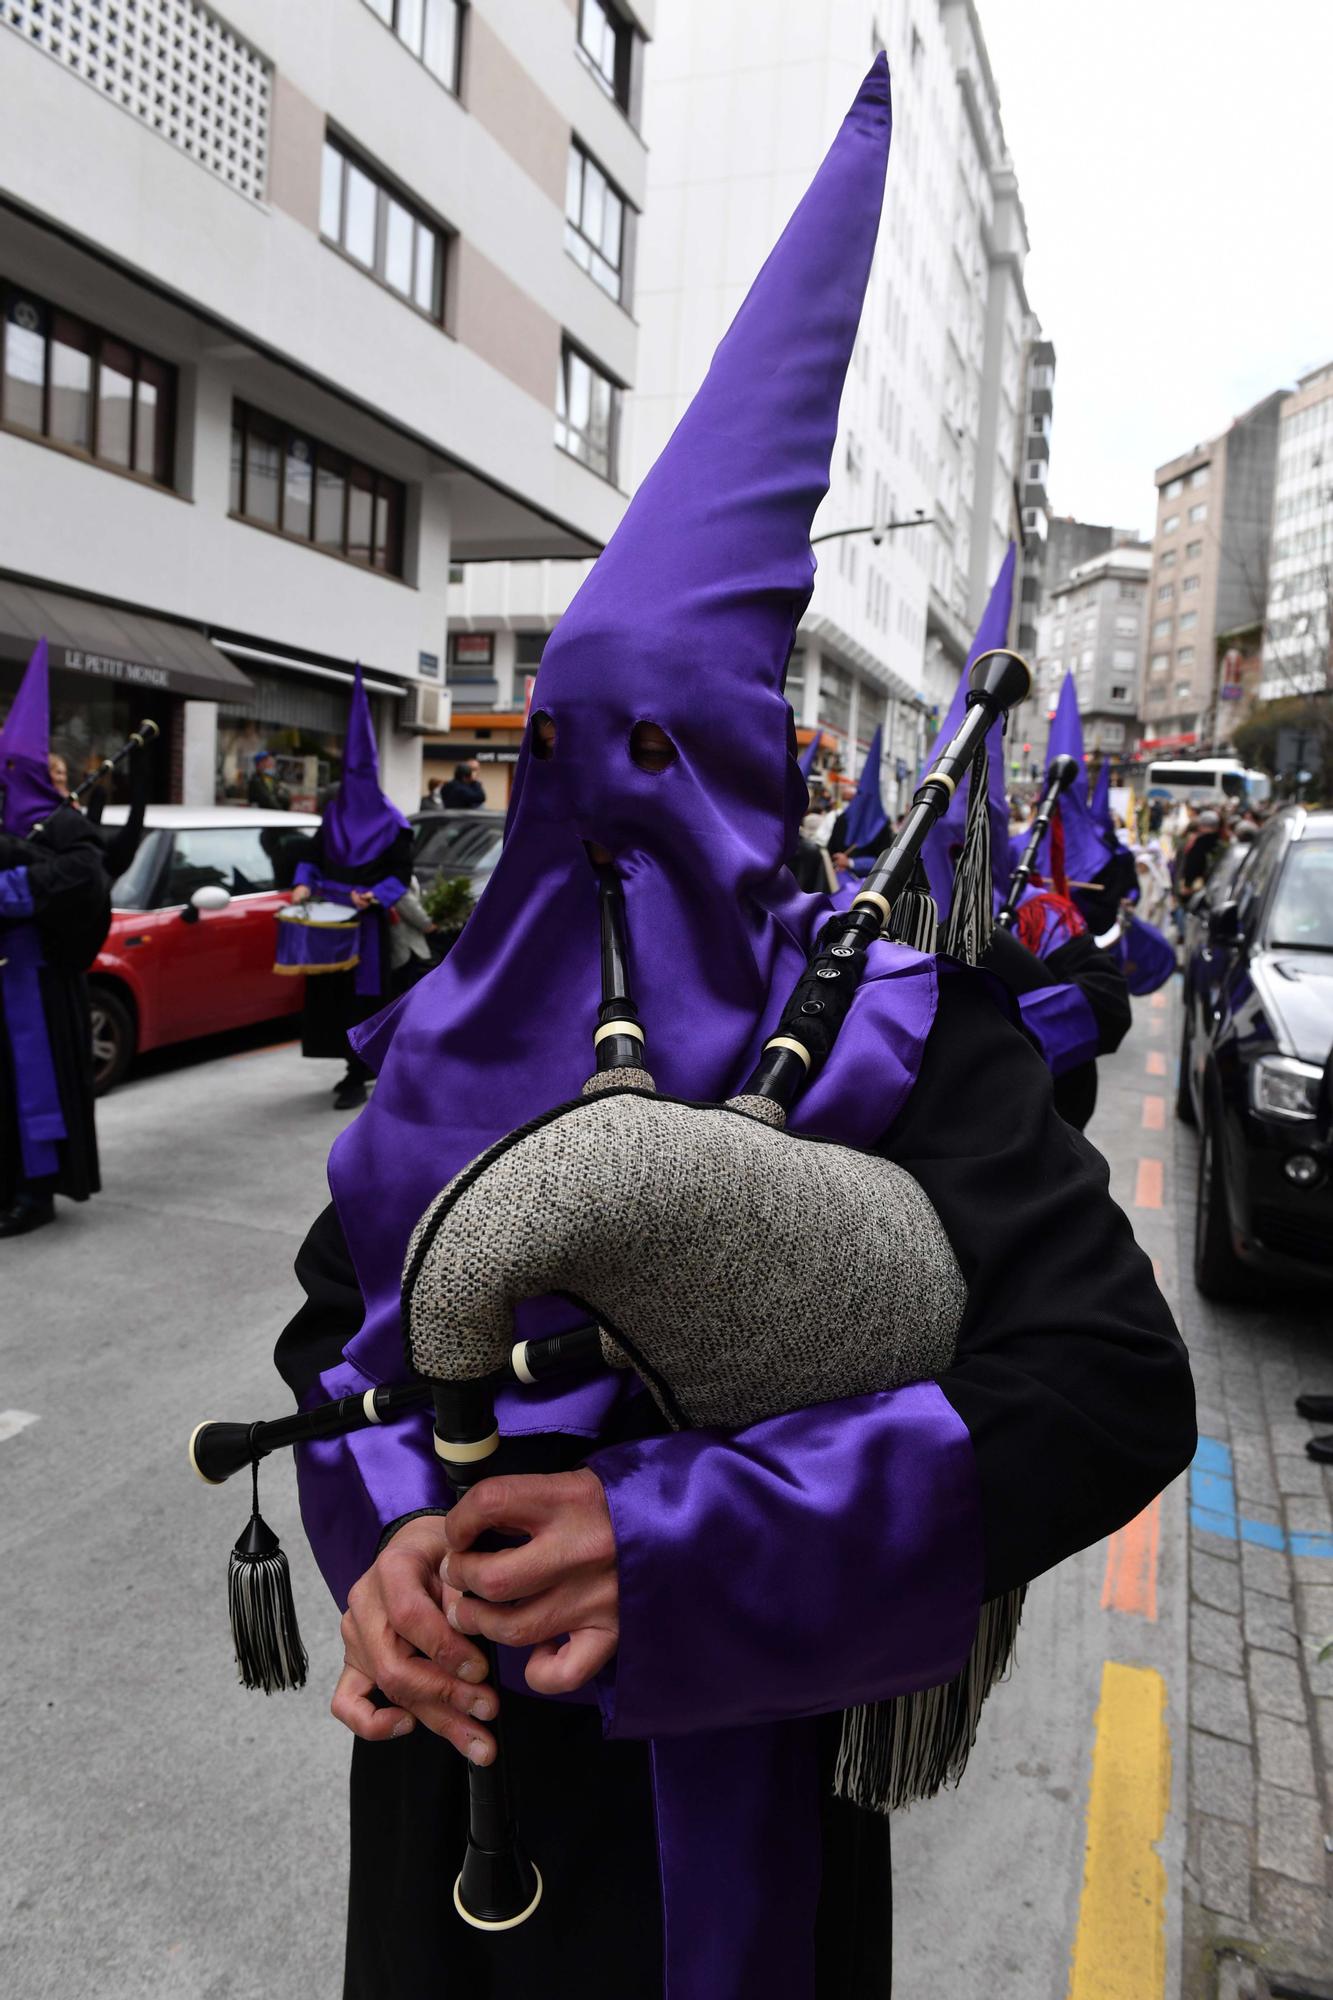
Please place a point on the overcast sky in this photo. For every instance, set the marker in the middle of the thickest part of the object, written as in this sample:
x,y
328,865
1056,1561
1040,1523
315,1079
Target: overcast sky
x,y
1176,170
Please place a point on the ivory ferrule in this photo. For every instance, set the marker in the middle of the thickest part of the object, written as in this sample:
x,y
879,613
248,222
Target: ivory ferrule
x,y
617,1028
789,1042
454,1452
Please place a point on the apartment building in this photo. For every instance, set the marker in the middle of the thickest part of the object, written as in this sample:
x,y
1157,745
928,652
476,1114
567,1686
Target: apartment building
x,y
741,103
1297,635
1209,577
1092,626
302,305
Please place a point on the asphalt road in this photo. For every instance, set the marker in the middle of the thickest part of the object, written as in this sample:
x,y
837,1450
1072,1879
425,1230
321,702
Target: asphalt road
x,y
166,1834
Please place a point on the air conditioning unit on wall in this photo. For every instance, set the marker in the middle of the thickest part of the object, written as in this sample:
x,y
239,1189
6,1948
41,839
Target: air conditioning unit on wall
x,y
427,711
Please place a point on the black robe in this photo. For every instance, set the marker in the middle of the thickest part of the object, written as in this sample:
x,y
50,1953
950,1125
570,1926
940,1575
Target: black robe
x,y
1074,1386
332,1003
1078,962
70,892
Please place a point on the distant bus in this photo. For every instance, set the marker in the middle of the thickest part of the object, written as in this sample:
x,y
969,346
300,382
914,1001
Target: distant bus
x,y
1205,781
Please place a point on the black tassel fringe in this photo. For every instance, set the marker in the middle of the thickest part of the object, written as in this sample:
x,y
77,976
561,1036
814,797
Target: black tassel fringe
x,y
264,1631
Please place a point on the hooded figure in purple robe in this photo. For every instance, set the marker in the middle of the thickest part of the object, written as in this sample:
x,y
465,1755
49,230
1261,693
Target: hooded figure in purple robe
x,y
361,859
55,911
679,1802
860,831
1068,1024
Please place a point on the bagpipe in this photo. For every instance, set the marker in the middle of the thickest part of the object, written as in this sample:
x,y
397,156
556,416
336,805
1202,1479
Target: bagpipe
x,y
139,739
683,1229
1059,778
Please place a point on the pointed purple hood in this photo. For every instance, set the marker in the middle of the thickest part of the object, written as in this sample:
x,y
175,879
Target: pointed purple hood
x,y
25,742
686,621
360,823
1099,806
866,816
810,752
1087,847
946,836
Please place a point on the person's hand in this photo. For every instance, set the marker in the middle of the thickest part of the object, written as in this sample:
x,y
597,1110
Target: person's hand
x,y
842,862
395,1638
362,899
558,1592
301,893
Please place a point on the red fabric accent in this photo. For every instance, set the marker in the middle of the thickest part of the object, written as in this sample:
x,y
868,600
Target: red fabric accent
x,y
1059,874
1046,921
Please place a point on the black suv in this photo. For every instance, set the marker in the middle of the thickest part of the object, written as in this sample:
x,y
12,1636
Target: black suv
x,y
1256,1069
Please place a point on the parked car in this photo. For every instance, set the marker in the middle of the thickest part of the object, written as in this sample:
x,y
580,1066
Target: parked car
x,y
455,843
1256,1060
191,946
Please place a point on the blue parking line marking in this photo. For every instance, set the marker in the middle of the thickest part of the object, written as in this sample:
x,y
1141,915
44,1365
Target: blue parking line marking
x,y
1213,1507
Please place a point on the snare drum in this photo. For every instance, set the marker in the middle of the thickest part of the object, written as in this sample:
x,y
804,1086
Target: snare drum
x,y
318,937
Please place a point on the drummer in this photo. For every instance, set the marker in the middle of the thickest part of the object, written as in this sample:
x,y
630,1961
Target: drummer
x,y
360,859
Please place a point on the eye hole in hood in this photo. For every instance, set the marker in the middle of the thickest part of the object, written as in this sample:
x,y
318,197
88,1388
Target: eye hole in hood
x,y
542,735
651,748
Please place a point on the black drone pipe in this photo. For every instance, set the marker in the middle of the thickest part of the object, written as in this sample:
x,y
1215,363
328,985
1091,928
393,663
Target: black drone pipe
x,y
139,740
824,992
1059,778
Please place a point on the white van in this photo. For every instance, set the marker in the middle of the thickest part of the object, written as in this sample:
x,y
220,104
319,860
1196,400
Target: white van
x,y
1206,781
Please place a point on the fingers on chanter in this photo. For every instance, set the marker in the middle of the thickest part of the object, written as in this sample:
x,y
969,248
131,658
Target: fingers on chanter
x,y
559,1666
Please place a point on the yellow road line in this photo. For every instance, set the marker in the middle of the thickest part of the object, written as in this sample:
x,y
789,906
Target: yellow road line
x,y
1120,1945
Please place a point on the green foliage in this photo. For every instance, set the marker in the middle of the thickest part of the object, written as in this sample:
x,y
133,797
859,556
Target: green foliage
x,y
449,901
1260,741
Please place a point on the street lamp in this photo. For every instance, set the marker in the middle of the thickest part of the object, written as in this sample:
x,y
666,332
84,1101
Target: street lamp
x,y
877,530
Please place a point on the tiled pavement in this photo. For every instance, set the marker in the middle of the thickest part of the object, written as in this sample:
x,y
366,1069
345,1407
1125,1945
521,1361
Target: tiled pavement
x,y
1260,1761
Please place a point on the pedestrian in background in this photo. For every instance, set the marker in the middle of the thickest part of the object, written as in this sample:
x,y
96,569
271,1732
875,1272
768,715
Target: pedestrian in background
x,y
55,911
430,798
264,788
464,790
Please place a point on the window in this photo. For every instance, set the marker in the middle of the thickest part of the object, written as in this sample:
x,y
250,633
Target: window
x,y
1184,656
380,230
1190,583
1199,512
606,43
1188,620
1183,690
1199,476
1119,691
64,380
1170,492
1127,627
1129,593
221,857
1160,662
1113,734
1167,559
431,29
284,480
594,222
1161,628
1170,524
1122,659
587,412
1165,592
1193,550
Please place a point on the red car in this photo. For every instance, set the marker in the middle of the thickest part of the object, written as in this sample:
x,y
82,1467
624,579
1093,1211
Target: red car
x,y
191,946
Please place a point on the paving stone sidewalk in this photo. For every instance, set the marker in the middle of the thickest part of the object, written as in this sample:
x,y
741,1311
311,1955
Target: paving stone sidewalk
x,y
1260,1760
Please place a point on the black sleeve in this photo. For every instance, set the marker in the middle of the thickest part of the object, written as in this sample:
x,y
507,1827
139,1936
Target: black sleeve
x,y
333,1310
123,844
1070,1375
1020,969
71,896
1099,979
838,835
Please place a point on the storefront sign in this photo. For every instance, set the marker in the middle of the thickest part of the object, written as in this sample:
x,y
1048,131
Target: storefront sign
x,y
428,666
111,669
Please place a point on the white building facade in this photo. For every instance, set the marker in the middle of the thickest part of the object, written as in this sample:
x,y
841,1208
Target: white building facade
x,y
741,103
291,325
1093,627
1298,636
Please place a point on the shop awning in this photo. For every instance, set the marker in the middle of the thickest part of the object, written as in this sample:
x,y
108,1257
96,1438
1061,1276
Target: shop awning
x,y
111,645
